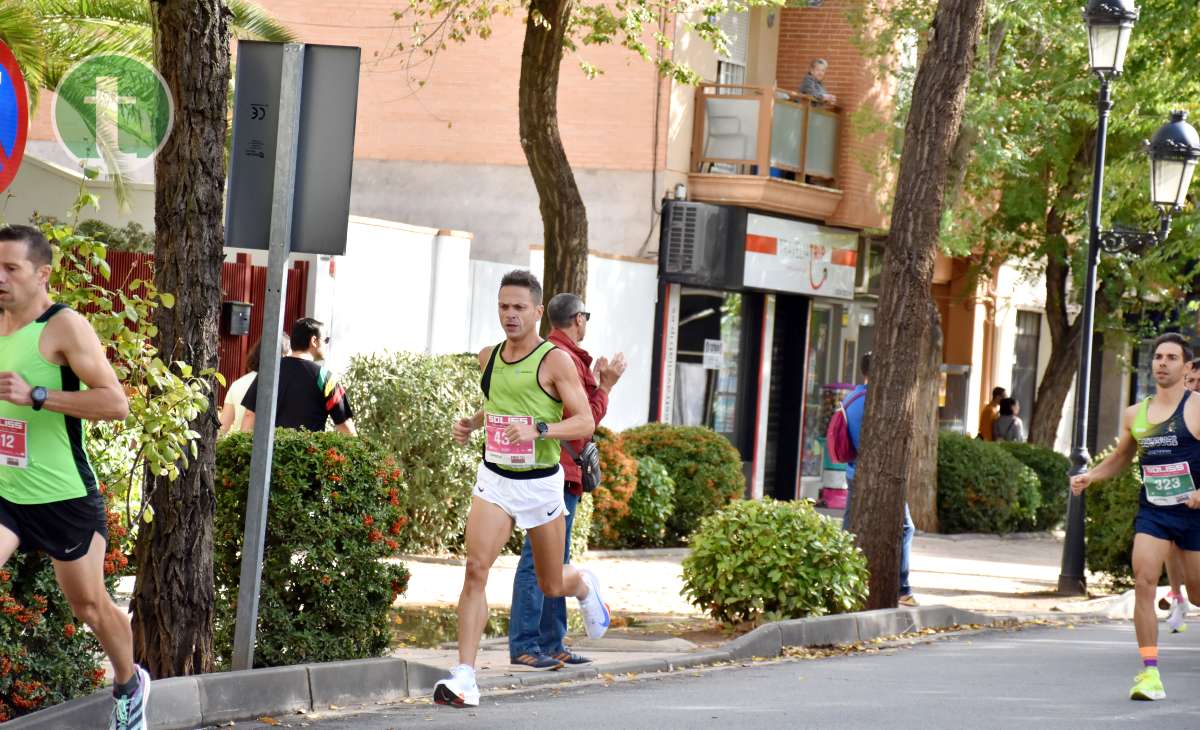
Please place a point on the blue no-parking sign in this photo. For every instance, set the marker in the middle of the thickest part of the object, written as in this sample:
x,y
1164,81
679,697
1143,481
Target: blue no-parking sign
x,y
14,117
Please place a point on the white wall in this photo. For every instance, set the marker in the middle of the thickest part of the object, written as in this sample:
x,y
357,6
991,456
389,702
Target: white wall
x,y
50,189
397,288
1019,289
621,297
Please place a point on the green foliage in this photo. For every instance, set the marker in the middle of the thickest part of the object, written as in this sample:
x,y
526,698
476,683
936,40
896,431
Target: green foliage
x,y
163,397
1108,527
650,507
1051,468
1029,124
619,480
335,526
407,402
46,655
130,237
762,558
983,488
706,468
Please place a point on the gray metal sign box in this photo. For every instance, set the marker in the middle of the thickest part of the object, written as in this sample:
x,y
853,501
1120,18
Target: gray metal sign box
x,y
325,158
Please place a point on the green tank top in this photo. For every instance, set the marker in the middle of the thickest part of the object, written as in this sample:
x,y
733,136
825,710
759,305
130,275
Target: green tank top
x,y
512,390
42,454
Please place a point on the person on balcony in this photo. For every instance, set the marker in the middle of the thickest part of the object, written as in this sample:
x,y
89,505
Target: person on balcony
x,y
812,86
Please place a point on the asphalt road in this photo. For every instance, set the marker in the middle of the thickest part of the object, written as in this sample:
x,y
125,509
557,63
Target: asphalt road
x,y
1036,677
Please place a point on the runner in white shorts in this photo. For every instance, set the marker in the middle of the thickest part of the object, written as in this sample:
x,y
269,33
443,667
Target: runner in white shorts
x,y
527,382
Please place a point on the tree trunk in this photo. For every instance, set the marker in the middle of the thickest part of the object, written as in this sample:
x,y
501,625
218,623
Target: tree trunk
x,y
922,466
1065,342
895,423
172,602
564,217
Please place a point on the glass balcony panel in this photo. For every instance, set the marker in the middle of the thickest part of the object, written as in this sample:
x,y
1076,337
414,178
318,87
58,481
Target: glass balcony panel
x,y
787,133
821,151
731,130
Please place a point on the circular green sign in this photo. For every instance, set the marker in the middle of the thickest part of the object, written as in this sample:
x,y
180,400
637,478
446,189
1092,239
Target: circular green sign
x,y
112,109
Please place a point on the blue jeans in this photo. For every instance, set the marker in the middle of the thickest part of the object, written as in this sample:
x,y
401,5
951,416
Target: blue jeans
x,y
906,536
538,624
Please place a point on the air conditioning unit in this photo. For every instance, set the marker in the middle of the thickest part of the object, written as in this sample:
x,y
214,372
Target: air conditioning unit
x,y
695,241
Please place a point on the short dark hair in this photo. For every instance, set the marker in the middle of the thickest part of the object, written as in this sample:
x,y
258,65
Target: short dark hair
x,y
522,277
998,392
303,330
562,309
38,251
864,365
1195,363
1174,338
1006,406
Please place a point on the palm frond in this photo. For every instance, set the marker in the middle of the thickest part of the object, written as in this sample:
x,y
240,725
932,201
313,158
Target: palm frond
x,y
21,31
251,22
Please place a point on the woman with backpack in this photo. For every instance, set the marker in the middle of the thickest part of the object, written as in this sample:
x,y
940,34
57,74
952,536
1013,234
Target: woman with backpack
x,y
1008,427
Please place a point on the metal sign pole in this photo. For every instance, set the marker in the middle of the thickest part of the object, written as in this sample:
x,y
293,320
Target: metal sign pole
x,y
268,372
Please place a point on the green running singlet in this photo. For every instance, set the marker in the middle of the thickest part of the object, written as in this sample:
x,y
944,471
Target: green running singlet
x,y
512,390
42,454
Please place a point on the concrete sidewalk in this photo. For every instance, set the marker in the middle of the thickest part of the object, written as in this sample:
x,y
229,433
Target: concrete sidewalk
x,y
1010,575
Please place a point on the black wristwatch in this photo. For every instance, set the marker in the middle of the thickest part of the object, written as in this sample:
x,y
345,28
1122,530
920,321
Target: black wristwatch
x,y
543,429
38,395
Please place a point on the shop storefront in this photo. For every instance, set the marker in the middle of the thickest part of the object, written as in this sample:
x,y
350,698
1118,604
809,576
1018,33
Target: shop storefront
x,y
757,334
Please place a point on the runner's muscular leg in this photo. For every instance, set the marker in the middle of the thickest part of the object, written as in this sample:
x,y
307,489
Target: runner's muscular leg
x,y
8,544
554,578
488,528
1191,574
82,582
1149,555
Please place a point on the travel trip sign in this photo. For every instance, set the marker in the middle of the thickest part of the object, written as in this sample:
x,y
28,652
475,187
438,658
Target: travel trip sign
x,y
14,117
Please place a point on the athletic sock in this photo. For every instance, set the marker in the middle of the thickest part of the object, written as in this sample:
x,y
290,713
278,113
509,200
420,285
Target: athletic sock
x,y
1172,595
1149,655
127,689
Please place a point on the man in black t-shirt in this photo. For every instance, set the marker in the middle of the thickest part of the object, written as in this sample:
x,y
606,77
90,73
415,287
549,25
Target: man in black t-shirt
x,y
308,393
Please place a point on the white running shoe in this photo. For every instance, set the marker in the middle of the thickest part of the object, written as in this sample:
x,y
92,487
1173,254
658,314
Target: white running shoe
x,y
1177,617
595,613
459,689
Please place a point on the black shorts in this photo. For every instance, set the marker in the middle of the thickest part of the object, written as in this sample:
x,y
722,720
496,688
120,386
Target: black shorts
x,y
63,530
1181,528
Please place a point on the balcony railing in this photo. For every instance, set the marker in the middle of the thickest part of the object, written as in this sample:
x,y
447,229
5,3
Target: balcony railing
x,y
765,131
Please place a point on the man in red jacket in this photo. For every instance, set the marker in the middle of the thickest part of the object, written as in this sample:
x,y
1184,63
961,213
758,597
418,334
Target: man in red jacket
x,y
538,624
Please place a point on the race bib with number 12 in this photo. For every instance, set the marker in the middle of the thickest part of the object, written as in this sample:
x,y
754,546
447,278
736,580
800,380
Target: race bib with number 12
x,y
13,439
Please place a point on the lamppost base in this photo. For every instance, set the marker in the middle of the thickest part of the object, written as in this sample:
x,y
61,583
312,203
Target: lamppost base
x,y
1069,586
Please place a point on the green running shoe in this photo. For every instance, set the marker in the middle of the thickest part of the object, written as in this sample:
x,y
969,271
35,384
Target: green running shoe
x,y
1148,686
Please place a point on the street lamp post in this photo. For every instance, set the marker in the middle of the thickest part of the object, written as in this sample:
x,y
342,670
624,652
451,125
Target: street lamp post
x,y
1173,151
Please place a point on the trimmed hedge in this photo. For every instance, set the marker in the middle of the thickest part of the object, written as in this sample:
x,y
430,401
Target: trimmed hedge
x,y
650,508
406,402
1108,527
706,468
1054,485
773,560
619,480
983,488
336,524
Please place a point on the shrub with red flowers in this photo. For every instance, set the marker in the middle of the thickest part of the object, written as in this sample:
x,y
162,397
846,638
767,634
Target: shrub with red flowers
x,y
46,656
619,479
335,527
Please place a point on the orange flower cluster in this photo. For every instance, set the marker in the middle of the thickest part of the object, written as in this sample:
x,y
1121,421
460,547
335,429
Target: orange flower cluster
x,y
368,520
24,615
398,525
27,695
115,561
